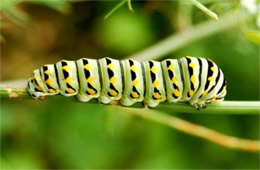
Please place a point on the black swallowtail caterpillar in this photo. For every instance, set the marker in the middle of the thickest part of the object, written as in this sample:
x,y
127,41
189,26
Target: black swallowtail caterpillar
x,y
196,80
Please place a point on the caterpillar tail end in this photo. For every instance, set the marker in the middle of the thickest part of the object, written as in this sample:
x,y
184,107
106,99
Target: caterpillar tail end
x,y
31,90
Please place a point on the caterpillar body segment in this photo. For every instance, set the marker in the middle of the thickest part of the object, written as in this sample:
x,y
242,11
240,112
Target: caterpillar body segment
x,y
112,83
43,82
214,94
155,88
173,80
191,72
202,79
38,83
67,77
196,80
49,79
133,82
89,79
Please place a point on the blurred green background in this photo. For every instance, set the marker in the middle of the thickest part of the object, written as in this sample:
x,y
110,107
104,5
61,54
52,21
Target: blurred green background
x,y
58,134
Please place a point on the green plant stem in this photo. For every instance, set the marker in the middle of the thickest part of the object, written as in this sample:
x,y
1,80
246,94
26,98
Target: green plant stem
x,y
196,130
184,16
120,4
130,5
7,90
181,39
16,90
205,9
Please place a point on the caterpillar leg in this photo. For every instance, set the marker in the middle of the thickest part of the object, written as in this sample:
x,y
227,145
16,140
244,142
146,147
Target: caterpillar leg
x,y
199,106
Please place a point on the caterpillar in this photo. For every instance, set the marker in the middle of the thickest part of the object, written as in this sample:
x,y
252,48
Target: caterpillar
x,y
198,81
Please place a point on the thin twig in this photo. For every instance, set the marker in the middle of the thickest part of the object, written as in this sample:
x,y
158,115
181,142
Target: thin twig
x,y
196,130
184,16
179,40
8,90
120,4
205,9
130,5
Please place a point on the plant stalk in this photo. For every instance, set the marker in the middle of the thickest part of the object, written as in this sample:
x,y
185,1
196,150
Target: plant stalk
x,y
181,39
226,107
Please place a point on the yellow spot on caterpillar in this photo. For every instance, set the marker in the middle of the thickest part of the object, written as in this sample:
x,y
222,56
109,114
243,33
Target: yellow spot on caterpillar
x,y
40,85
70,90
113,92
191,92
155,83
87,66
224,89
91,91
35,77
133,68
153,69
174,80
213,69
205,93
42,89
90,80
176,93
51,91
188,56
135,95
157,95
135,82
68,80
214,101
210,79
192,65
171,67
112,80
65,68
47,72
192,79
48,81
110,66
